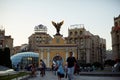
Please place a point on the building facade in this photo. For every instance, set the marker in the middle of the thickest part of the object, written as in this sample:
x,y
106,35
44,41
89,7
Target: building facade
x,y
109,55
86,47
49,48
39,36
115,35
90,48
5,41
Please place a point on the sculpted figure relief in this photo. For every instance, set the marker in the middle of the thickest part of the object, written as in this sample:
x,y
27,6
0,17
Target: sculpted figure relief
x,y
57,26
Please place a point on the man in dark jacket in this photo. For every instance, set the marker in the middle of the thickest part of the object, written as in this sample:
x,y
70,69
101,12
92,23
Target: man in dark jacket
x,y
71,61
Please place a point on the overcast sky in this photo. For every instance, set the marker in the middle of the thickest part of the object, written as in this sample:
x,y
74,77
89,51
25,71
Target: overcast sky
x,y
19,17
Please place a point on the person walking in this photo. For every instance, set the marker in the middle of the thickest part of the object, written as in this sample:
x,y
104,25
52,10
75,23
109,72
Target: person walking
x,y
71,61
66,70
60,70
42,68
116,67
33,70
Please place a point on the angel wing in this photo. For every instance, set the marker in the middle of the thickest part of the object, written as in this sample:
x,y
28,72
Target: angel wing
x,y
54,24
60,24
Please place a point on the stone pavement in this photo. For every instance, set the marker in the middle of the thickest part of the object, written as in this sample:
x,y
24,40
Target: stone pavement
x,y
51,76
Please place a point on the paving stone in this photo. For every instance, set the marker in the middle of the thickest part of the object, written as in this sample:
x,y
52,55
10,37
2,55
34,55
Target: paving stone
x,y
51,76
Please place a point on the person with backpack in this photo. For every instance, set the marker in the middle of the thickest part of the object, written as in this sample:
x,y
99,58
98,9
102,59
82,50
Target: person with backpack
x,y
60,70
42,68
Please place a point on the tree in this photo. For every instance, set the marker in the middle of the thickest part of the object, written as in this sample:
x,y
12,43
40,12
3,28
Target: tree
x,y
1,57
7,59
98,65
109,62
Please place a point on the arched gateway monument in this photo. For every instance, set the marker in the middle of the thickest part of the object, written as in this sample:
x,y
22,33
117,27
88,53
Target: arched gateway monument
x,y
57,46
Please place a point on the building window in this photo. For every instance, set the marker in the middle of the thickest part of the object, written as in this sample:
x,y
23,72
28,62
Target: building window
x,y
70,33
76,40
116,24
76,33
80,32
71,40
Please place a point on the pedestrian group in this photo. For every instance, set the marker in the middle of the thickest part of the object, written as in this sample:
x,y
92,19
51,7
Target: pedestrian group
x,y
62,71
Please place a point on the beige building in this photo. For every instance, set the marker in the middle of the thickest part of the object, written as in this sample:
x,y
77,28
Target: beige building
x,y
90,48
49,48
22,48
16,50
39,36
5,41
115,34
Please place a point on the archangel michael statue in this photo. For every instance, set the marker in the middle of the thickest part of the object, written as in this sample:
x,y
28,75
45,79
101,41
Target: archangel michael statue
x,y
57,26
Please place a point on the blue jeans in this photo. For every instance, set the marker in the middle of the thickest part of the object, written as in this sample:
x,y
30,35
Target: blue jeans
x,y
71,73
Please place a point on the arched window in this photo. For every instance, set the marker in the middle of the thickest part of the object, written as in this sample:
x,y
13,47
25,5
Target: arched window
x,y
70,33
76,33
80,32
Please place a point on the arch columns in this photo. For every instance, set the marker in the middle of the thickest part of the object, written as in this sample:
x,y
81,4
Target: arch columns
x,y
48,57
66,53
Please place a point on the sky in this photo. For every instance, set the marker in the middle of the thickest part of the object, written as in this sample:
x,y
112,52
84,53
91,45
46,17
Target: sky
x,y
19,17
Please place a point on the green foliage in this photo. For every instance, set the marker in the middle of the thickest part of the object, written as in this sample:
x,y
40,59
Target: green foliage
x,y
8,62
109,62
97,64
1,57
5,57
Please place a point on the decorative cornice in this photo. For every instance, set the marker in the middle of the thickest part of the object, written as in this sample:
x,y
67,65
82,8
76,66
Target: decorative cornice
x,y
57,45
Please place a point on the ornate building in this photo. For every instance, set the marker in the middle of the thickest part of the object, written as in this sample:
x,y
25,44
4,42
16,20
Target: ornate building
x,y
87,48
40,36
22,48
50,48
5,41
90,48
115,34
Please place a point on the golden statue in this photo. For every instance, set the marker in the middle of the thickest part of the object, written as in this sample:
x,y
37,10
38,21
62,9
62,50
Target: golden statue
x,y
57,26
